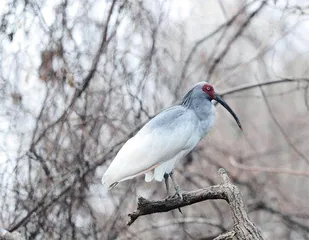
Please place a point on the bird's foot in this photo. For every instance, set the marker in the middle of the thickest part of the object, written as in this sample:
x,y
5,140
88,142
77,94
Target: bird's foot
x,y
171,196
179,209
178,192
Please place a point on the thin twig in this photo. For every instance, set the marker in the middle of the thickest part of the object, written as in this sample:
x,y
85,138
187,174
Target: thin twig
x,y
238,165
229,44
255,85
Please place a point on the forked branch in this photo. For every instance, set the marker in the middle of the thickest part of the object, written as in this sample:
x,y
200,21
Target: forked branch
x,y
243,228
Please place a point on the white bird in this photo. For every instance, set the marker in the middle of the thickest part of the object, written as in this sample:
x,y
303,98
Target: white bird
x,y
166,138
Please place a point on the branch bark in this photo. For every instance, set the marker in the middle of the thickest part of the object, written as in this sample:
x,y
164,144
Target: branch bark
x,y
243,228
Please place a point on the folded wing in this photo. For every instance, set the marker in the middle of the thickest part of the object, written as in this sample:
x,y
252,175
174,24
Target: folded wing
x,y
158,141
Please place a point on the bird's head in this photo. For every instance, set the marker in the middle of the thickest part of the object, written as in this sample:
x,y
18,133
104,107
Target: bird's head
x,y
212,95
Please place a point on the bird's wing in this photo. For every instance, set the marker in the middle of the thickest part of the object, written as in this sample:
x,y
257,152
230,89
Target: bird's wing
x,y
170,132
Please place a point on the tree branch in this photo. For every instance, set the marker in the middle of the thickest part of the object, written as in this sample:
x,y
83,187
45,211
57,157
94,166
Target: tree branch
x,y
256,85
233,39
243,227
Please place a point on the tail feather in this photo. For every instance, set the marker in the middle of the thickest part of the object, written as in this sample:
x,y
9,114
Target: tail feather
x,y
160,171
166,167
149,176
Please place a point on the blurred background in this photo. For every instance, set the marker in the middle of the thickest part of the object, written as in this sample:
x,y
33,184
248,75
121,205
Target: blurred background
x,y
78,78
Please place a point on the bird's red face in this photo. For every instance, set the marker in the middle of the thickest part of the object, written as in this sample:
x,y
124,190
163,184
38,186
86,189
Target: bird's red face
x,y
207,88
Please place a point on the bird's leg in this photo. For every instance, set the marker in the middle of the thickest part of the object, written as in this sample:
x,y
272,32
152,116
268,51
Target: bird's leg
x,y
176,186
166,175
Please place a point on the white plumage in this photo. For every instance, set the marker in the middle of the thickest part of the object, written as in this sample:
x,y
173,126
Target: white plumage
x,y
153,149
165,139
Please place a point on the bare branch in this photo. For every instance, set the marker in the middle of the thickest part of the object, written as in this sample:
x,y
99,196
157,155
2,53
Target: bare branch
x,y
226,236
236,164
237,34
255,85
99,53
243,227
87,79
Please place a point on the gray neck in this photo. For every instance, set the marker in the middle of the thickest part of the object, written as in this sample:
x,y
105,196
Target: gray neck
x,y
199,103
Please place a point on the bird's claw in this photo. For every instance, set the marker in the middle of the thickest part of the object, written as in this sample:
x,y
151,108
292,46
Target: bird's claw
x,y
179,209
171,196
178,192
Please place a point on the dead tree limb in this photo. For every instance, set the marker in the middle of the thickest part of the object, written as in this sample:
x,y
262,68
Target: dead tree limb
x,y
243,228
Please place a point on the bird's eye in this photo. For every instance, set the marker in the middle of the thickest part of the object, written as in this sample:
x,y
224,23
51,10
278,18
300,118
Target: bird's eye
x,y
208,88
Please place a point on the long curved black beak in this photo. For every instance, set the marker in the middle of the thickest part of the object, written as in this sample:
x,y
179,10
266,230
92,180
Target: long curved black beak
x,y
220,100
